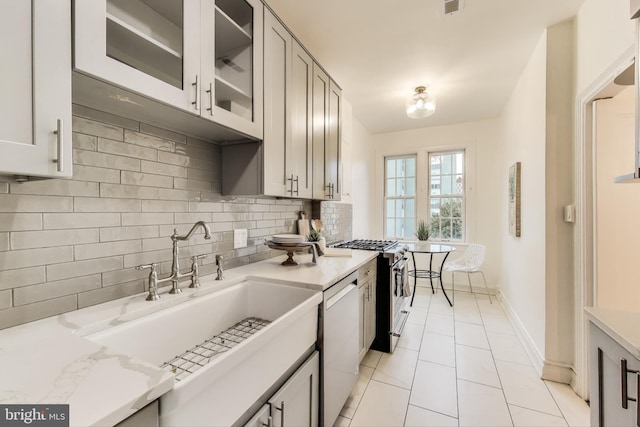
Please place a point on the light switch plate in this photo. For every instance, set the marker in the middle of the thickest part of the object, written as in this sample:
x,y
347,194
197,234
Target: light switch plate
x,y
240,238
569,213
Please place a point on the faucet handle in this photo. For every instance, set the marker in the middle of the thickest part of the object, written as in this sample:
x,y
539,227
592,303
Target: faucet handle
x,y
153,281
195,258
195,272
152,266
219,273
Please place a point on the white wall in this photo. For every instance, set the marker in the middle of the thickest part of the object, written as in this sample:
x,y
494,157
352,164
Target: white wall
x,y
603,33
484,188
523,265
362,180
617,205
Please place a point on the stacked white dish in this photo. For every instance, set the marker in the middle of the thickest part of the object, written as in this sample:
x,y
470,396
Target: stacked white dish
x,y
287,239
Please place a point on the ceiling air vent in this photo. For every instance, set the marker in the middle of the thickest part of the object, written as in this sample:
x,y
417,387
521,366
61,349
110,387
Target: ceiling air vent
x,y
452,6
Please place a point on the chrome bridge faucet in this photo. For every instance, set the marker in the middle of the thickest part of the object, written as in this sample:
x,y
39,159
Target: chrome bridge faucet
x,y
175,276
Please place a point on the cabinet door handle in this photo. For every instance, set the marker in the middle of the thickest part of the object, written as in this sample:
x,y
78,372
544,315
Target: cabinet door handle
x,y
637,399
59,141
297,185
624,371
210,92
330,187
196,103
290,179
281,409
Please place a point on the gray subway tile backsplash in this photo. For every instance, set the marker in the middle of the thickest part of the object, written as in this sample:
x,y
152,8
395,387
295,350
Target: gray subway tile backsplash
x,y
5,299
68,244
24,203
20,221
67,270
16,278
51,290
53,238
39,310
4,241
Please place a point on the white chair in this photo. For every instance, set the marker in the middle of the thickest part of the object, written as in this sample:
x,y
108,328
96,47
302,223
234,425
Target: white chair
x,y
469,262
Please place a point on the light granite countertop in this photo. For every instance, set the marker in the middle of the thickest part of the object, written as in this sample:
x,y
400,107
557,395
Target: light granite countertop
x,y
622,326
49,361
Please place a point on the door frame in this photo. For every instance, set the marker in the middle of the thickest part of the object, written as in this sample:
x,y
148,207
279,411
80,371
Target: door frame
x,y
585,198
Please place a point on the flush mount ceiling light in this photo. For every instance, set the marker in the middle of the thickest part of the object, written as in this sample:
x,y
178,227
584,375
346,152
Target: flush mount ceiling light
x,y
421,104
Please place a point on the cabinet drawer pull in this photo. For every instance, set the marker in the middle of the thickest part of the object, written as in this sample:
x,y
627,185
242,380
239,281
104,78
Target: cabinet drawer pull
x,y
59,141
196,103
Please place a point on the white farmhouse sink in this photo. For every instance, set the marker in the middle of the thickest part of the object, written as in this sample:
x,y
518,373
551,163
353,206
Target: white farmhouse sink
x,y
225,388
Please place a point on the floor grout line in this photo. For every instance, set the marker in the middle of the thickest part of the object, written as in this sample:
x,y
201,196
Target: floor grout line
x,y
432,303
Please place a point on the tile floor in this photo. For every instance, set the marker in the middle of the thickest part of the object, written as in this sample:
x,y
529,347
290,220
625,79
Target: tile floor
x,y
461,366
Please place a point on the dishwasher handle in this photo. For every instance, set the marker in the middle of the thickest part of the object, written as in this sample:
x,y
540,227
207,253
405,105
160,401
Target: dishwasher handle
x,y
337,297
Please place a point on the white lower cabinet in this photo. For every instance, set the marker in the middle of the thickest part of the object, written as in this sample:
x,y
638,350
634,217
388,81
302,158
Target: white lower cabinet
x,y
615,382
262,418
367,307
296,403
145,417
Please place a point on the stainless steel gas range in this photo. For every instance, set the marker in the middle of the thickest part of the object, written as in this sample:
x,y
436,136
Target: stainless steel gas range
x,y
392,287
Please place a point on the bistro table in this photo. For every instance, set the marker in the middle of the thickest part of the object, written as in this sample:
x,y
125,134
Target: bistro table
x,y
431,249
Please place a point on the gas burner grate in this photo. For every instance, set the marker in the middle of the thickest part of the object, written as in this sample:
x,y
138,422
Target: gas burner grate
x,y
194,359
368,245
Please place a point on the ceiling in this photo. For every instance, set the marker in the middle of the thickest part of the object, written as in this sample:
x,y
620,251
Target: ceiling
x,y
378,51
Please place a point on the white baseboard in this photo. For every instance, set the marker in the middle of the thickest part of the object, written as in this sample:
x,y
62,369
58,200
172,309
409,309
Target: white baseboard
x,y
527,342
558,372
548,370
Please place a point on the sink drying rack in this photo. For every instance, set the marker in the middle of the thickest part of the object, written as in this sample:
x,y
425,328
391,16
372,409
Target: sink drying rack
x,y
197,357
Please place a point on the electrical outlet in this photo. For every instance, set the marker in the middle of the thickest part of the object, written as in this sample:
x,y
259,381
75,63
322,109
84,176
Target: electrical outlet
x,y
240,238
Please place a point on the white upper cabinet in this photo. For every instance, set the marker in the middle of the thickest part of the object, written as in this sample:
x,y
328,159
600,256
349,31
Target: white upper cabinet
x,y
288,71
149,47
236,93
300,145
198,56
277,89
332,149
327,111
35,91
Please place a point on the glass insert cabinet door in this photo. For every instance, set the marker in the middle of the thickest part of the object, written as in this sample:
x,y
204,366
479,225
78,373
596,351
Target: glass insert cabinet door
x,y
202,56
232,63
151,47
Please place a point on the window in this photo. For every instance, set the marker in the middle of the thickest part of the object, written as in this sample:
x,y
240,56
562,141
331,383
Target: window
x,y
400,197
446,195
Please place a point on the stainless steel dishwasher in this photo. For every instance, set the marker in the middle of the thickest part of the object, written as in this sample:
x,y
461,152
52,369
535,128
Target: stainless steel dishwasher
x,y
339,344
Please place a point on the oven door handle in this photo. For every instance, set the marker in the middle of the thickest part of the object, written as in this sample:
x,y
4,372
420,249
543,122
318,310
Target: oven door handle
x,y
398,332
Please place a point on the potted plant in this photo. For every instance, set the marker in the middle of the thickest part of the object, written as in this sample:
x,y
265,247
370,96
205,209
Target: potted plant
x,y
422,232
316,236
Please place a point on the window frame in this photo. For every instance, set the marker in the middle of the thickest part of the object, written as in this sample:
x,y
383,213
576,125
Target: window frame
x,y
463,196
385,197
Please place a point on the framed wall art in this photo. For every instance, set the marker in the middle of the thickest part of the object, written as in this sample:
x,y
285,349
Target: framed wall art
x,y
514,199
